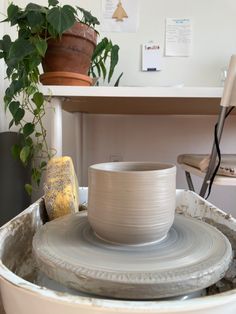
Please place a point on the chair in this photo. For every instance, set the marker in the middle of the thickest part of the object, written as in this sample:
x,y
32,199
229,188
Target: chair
x,y
215,168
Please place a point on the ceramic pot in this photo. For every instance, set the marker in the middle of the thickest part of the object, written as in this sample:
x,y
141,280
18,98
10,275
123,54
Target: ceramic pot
x,y
131,202
73,52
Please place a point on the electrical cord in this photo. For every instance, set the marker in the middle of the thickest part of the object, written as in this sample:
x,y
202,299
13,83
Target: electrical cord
x,y
217,145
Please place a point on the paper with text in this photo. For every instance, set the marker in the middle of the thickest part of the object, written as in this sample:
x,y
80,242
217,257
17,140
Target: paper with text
x,y
151,58
178,37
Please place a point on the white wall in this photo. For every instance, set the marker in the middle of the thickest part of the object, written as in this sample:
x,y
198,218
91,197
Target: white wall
x,y
213,31
159,138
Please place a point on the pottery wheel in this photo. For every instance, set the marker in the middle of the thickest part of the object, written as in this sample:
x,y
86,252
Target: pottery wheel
x,y
194,255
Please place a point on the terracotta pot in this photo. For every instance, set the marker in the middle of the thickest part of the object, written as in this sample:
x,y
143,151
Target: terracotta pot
x,y
65,78
73,52
131,202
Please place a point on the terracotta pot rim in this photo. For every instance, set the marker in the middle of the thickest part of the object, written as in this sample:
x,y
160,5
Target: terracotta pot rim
x,y
67,75
127,167
47,77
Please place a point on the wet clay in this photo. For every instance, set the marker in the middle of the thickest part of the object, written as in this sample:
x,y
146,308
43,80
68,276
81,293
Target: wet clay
x,y
17,251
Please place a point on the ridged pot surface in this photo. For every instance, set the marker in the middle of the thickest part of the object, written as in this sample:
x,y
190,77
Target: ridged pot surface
x,y
73,52
131,202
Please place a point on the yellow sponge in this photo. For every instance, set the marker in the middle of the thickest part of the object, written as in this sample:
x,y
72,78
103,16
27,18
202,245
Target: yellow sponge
x,y
61,188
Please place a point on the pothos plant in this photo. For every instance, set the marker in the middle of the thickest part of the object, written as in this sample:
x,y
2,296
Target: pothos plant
x,y
35,25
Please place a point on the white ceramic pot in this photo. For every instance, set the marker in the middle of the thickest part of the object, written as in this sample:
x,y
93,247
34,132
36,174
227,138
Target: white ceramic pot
x,y
131,202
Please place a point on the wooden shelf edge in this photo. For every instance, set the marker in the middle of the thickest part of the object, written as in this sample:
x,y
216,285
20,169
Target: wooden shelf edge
x,y
138,100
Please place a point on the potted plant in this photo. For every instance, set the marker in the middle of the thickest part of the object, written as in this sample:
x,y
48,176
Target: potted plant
x,y
40,28
67,61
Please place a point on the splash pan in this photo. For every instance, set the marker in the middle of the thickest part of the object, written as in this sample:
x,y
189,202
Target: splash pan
x,y
193,256
24,293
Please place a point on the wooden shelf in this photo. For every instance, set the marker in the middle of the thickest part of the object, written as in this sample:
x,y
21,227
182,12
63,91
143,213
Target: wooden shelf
x,y
138,100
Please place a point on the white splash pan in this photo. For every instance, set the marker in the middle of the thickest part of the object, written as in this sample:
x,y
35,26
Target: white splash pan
x,y
22,297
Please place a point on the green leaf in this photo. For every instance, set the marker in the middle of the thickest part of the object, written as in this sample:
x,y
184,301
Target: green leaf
x,y
33,7
100,48
41,46
38,99
28,188
104,70
28,129
114,60
5,45
38,134
19,115
24,33
16,86
52,3
13,107
11,124
12,13
35,19
43,164
17,112
52,32
36,175
20,49
28,141
88,18
10,70
15,151
33,66
108,50
36,112
25,154
118,80
98,69
61,18
30,90
12,10
69,7
9,94
92,73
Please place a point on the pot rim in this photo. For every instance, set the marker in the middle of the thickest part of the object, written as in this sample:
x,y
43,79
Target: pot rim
x,y
105,167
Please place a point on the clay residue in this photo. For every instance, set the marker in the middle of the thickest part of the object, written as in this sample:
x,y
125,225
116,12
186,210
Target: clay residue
x,y
229,281
202,211
17,252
